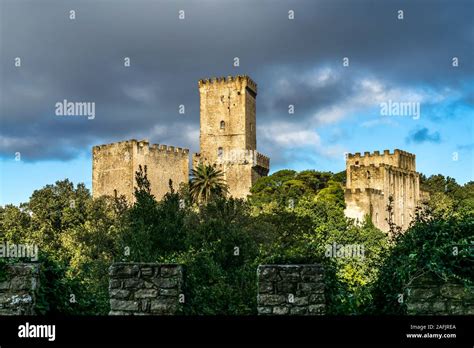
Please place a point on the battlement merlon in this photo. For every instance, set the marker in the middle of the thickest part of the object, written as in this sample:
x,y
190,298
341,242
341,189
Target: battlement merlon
x,y
141,145
263,161
377,154
398,158
219,81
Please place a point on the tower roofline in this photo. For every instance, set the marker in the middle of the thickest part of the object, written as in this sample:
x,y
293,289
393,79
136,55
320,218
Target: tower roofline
x,y
378,153
229,79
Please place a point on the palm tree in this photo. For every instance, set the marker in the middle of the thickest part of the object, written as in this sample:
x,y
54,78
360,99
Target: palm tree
x,y
207,181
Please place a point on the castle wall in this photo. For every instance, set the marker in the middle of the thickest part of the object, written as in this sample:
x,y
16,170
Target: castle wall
x,y
114,167
373,178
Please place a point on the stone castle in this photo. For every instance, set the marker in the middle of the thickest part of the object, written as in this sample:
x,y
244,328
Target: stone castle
x,y
227,140
373,177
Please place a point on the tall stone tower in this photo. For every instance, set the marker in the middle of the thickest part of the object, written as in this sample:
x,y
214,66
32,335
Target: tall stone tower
x,y
373,178
228,132
114,166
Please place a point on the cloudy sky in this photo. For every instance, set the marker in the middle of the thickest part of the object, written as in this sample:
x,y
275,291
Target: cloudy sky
x,y
298,62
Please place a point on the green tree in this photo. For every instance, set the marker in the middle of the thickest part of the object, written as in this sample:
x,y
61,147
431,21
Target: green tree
x,y
207,182
433,244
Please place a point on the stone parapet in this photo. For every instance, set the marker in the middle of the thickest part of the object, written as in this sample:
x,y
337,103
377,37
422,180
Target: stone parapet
x,y
18,291
145,288
290,290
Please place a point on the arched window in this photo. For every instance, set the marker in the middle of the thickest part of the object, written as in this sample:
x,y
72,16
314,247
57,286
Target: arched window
x,y
220,152
222,125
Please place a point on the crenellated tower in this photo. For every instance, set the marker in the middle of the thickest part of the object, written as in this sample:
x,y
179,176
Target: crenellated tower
x,y
228,136
373,177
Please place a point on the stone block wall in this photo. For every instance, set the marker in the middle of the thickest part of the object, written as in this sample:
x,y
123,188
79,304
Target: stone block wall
x,y
18,290
145,288
290,290
428,296
114,166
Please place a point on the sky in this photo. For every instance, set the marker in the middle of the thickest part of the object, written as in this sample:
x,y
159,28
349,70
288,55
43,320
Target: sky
x,y
424,59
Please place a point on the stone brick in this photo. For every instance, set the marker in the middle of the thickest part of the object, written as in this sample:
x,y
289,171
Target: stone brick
x,y
316,298
285,286
146,293
454,307
166,283
115,284
5,285
422,293
268,274
299,310
160,308
280,310
290,275
132,283
119,270
264,310
309,288
120,305
469,310
21,283
265,287
453,291
119,294
301,301
119,313
316,309
438,307
169,292
418,307
146,271
170,271
271,299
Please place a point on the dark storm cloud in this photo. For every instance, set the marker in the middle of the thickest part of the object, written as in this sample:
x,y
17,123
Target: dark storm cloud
x,y
82,60
423,135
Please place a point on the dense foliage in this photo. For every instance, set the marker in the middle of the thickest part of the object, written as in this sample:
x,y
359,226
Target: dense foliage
x,y
291,217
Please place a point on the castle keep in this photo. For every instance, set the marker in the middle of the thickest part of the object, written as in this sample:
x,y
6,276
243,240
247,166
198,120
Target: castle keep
x,y
227,140
228,132
373,178
114,166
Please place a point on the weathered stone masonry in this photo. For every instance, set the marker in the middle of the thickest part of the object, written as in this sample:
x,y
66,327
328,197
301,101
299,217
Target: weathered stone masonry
x,y
290,290
228,140
18,291
373,177
429,296
114,166
145,288
228,132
